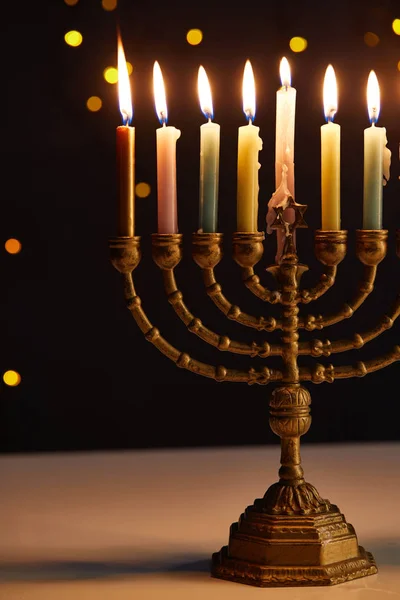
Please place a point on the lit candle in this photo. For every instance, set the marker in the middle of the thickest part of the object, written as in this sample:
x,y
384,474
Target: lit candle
x,y
376,159
209,159
125,151
284,153
166,160
249,145
330,156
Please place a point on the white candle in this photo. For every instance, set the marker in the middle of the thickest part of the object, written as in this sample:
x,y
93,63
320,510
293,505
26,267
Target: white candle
x,y
330,156
375,155
249,145
166,160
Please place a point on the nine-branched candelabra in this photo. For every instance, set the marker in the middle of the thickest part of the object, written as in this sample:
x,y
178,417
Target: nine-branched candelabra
x,y
291,536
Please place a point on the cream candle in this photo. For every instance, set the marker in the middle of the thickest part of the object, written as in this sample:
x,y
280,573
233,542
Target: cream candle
x,y
330,156
376,159
249,145
125,150
209,159
166,138
284,153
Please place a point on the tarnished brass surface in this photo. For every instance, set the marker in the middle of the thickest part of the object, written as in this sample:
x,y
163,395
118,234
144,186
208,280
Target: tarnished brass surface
x,y
291,536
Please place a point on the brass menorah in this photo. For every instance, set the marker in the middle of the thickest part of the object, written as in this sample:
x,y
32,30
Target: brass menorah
x,y
291,536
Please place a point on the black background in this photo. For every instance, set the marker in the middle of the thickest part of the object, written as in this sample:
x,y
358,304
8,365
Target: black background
x,y
89,379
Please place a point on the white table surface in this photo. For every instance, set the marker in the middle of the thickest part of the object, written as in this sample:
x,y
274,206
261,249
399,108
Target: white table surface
x,y
143,524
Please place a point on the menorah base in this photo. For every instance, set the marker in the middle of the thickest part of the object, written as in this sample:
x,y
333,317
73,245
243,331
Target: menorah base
x,y
292,550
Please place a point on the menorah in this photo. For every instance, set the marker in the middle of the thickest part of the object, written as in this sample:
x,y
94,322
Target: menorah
x,y
291,536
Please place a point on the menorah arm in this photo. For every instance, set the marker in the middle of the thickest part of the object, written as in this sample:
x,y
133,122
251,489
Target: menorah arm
x,y
371,246
320,373
325,283
207,253
222,342
326,348
125,256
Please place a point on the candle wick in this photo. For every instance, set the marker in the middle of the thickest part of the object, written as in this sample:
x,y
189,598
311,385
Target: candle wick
x,y
209,119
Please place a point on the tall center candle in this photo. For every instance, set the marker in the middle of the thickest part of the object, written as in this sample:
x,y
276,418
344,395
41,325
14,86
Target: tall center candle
x,y
166,160
209,159
125,149
330,156
249,145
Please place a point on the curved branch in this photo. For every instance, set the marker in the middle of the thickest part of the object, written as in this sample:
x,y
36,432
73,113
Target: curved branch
x,y
252,282
222,342
326,348
232,311
182,359
320,373
325,283
311,322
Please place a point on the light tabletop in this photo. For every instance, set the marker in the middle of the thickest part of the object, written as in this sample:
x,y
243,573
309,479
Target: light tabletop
x,y
143,524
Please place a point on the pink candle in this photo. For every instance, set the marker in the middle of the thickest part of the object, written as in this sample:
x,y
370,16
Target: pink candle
x,y
166,160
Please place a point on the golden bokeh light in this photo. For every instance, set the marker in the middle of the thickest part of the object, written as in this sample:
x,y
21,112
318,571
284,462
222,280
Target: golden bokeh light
x,y
73,38
94,103
142,189
13,246
398,66
71,2
194,37
12,378
298,44
110,74
129,67
371,39
109,4
396,26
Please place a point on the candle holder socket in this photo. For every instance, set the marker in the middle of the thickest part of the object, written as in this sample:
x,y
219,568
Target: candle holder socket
x,y
371,246
207,249
166,249
125,253
330,246
248,248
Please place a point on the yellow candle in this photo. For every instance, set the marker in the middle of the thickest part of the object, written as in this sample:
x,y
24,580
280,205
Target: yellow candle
x,y
249,145
330,156
125,146
166,138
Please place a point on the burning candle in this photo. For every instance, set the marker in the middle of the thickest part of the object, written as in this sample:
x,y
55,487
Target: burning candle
x,y
284,154
249,145
125,151
330,156
209,159
166,160
376,159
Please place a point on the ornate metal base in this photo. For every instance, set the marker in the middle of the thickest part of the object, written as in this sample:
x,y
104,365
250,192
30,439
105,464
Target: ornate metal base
x,y
271,550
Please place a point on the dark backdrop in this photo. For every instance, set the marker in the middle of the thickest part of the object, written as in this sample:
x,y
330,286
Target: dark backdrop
x,y
89,379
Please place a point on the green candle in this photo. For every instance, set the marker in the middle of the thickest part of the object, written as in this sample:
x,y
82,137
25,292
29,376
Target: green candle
x,y
209,159
374,144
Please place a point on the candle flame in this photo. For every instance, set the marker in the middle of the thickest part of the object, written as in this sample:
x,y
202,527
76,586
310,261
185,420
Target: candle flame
x,y
330,94
204,90
249,92
284,72
373,97
159,94
124,86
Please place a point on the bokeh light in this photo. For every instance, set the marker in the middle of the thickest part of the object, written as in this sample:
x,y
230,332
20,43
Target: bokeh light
x,y
11,378
371,39
13,246
142,189
398,65
110,74
298,44
109,4
194,37
71,2
73,38
94,103
129,67
396,26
